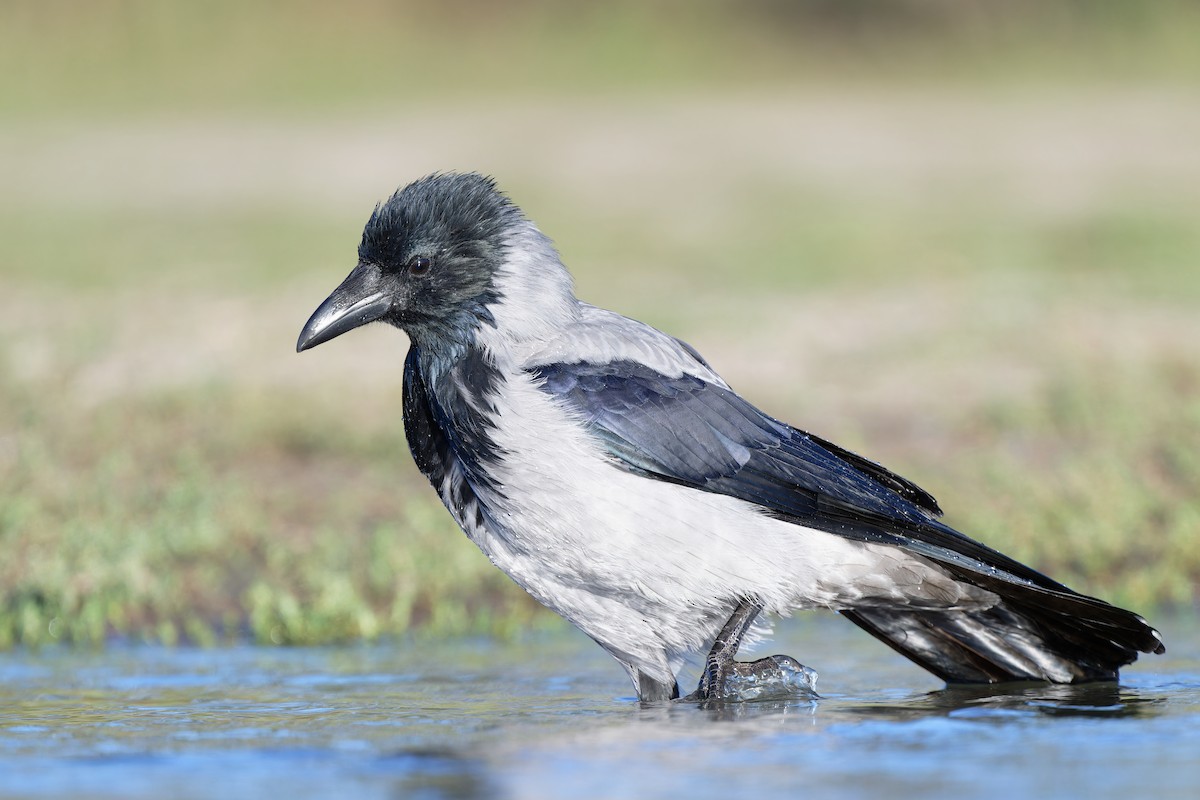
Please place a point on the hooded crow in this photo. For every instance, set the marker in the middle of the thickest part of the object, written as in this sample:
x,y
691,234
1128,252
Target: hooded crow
x,y
611,472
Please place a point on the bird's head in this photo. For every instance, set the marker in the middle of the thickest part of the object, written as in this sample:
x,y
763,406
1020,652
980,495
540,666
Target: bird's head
x,y
433,261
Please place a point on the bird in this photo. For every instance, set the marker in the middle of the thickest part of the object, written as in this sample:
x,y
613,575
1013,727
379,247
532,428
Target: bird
x,y
612,473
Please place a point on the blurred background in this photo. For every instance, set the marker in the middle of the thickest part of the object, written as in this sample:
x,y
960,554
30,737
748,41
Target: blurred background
x,y
960,237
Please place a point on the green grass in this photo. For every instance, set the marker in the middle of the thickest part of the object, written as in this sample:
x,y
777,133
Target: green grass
x,y
1094,481
226,506
95,251
170,471
801,242
218,514
794,243
231,507
122,56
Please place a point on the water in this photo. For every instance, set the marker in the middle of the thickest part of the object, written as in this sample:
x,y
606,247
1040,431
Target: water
x,y
777,677
554,717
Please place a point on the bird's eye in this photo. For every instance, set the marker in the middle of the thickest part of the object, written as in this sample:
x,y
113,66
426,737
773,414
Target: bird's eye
x,y
419,265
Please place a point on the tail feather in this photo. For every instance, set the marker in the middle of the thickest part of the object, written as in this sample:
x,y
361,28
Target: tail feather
x,y
1033,634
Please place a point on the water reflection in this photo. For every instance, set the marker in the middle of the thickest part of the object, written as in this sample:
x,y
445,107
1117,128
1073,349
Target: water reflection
x,y
437,773
1003,701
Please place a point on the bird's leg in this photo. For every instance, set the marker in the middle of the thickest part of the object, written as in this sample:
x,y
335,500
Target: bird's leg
x,y
720,664
720,658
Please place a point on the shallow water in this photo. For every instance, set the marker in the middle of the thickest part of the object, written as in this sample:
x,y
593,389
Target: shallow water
x,y
554,717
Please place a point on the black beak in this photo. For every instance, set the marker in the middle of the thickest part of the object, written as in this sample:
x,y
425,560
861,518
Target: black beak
x,y
359,299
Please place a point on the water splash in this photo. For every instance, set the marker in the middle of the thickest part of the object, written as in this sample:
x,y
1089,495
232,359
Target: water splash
x,y
770,678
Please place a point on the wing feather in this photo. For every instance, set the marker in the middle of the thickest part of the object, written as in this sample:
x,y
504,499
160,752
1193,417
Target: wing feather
x,y
690,431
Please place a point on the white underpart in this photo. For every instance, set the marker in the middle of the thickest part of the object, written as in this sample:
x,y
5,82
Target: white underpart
x,y
647,568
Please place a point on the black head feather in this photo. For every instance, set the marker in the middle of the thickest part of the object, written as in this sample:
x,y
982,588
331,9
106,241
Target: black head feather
x,y
456,226
461,212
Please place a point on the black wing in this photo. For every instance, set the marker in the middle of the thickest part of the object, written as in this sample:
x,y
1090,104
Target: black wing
x,y
689,431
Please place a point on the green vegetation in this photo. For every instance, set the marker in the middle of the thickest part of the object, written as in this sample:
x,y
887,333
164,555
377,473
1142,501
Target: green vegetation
x,y
230,506
1094,481
215,514
307,56
960,240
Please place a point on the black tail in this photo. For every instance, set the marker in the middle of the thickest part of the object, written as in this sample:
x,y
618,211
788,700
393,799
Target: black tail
x,y
1033,634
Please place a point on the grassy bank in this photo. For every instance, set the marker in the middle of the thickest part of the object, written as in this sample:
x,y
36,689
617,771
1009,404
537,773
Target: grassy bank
x,y
173,472
961,242
216,514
